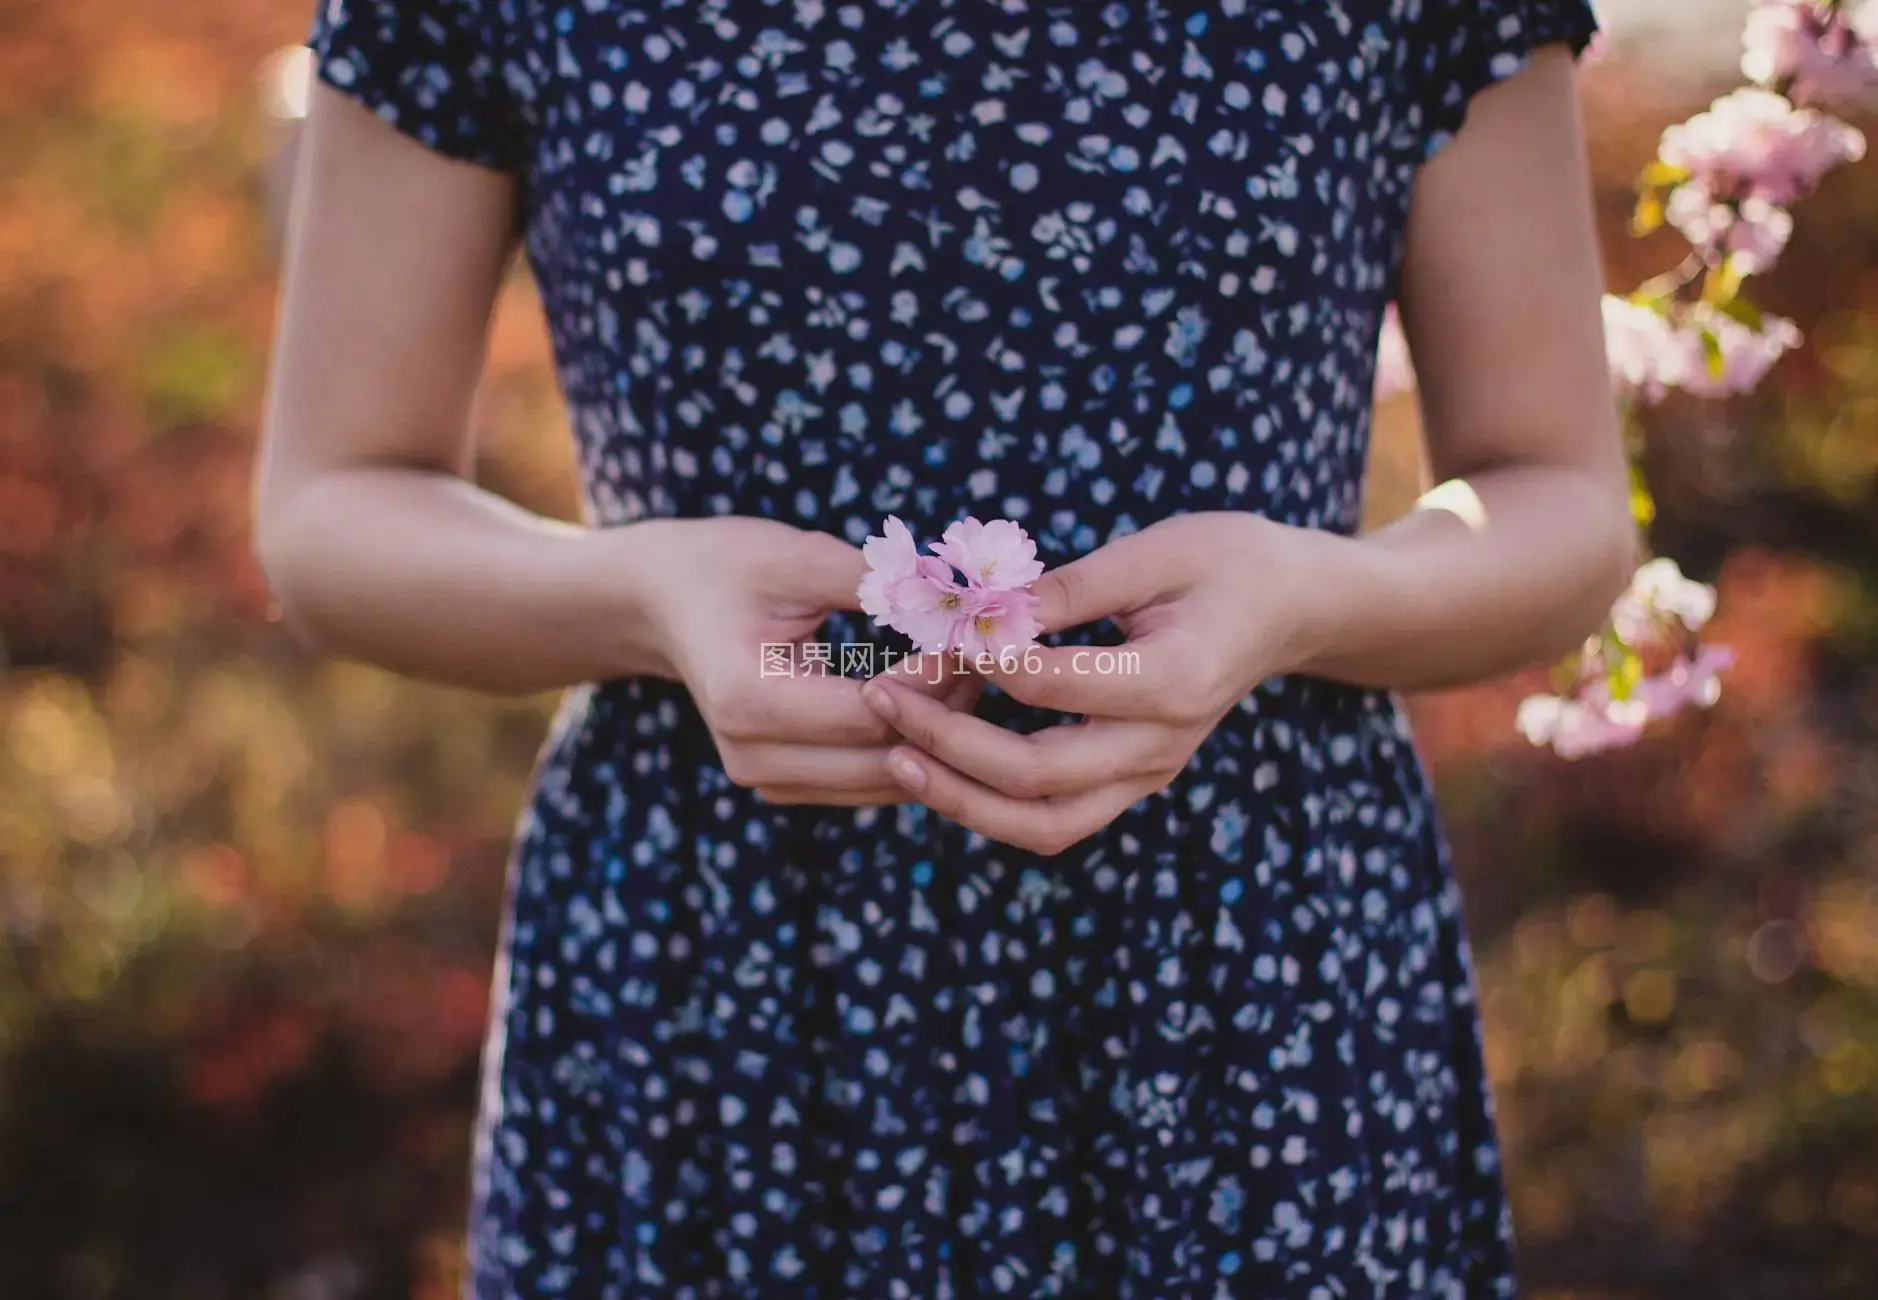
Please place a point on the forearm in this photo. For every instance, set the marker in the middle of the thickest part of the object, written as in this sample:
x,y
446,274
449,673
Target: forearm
x,y
427,575
1471,584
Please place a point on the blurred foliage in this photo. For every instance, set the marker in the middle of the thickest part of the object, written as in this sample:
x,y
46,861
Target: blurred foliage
x,y
248,902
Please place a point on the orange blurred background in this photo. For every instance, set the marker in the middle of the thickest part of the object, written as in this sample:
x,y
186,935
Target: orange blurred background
x,y
248,901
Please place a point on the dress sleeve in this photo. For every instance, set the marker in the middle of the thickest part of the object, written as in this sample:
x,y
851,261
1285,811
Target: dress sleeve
x,y
1474,43
437,70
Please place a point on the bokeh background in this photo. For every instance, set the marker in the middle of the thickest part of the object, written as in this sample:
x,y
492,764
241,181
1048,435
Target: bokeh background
x,y
248,901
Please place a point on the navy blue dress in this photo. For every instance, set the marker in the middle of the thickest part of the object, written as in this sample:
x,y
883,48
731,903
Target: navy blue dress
x,y
1083,265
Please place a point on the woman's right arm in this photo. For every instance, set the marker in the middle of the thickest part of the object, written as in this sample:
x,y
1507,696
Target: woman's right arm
x,y
373,541
378,548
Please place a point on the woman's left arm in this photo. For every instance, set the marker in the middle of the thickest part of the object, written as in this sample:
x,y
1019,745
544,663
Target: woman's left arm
x,y
1515,558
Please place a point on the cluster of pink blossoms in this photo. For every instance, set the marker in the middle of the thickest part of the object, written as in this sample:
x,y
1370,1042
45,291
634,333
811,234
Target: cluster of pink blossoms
x,y
1813,49
1754,143
970,597
1594,721
1707,354
1660,614
1740,164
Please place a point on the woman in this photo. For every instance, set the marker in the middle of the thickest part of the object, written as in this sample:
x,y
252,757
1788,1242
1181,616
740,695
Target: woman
x,y
814,986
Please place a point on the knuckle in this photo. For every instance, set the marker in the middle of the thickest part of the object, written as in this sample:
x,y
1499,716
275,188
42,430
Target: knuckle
x,y
1054,844
1037,690
728,706
1074,585
1050,839
917,726
1183,701
955,809
739,767
1168,760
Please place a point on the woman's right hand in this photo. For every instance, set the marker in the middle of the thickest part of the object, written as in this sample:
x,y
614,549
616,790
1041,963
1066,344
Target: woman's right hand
x,y
716,592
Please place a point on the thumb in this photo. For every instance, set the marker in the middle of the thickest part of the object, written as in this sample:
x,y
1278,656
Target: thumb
x,y
820,572
1116,578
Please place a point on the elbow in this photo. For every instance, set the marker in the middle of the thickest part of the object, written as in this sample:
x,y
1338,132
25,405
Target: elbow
x,y
280,554
1624,554
1611,552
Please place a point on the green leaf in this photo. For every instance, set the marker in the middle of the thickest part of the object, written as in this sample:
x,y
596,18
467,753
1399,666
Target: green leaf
x,y
1742,310
1650,294
1642,503
1662,175
1723,283
1565,674
1712,353
1647,219
1624,674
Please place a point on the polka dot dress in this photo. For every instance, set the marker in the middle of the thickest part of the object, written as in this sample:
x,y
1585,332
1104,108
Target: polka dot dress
x,y
1086,266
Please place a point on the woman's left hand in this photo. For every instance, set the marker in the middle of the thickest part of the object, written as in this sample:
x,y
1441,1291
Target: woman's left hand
x,y
1211,605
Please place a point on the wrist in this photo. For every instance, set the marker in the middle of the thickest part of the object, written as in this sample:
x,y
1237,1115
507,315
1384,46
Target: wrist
x,y
1321,589
617,578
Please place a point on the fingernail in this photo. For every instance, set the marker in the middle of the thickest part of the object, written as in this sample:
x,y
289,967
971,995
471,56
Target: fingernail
x,y
880,700
906,771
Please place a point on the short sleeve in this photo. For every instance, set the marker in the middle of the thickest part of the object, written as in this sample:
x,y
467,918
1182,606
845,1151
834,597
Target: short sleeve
x,y
1474,43
434,69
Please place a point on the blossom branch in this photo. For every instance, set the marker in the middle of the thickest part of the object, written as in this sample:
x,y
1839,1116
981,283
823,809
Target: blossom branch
x,y
1726,181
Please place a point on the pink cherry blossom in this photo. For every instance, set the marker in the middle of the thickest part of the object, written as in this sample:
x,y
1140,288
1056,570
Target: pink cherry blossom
x,y
997,555
931,613
1703,351
1752,231
907,591
1573,728
1686,683
928,611
1811,50
1640,349
1740,357
1593,722
995,621
993,611
1658,600
897,572
1755,143
891,558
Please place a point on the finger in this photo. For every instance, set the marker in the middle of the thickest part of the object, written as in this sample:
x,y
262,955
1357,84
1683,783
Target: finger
x,y
1123,575
806,796
939,676
933,671
774,701
1053,762
758,764
818,571
965,693
1142,680
1045,826
804,710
